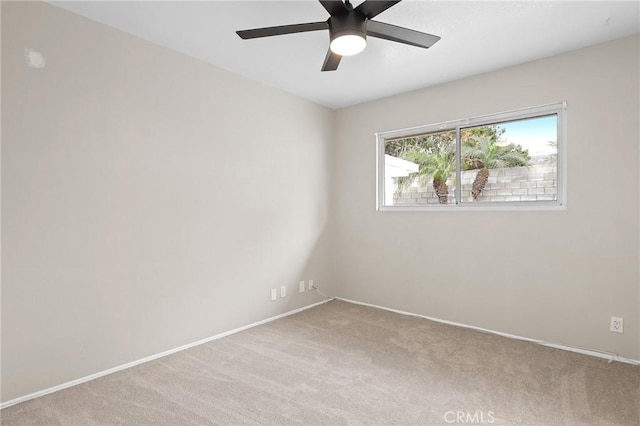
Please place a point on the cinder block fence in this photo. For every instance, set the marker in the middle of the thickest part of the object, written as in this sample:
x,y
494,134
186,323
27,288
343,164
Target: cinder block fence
x,y
532,183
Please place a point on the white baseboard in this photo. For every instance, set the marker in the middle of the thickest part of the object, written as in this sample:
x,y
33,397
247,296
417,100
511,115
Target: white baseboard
x,y
592,352
151,357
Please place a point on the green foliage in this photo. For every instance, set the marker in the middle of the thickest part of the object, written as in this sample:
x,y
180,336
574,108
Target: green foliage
x,y
470,135
430,144
435,154
434,143
439,164
488,153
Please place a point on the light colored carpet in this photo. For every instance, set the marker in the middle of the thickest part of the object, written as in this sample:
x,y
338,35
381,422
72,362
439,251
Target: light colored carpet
x,y
341,363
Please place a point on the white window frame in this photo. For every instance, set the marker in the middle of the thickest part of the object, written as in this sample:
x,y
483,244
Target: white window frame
x,y
559,109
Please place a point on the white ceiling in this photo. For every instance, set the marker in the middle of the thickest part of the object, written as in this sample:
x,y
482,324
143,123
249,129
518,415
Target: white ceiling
x,y
477,36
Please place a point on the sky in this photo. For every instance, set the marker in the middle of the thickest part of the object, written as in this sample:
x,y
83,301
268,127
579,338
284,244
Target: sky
x,y
532,134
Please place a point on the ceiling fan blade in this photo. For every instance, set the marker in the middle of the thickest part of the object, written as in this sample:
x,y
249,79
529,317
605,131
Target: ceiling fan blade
x,y
371,8
400,34
283,29
334,7
331,61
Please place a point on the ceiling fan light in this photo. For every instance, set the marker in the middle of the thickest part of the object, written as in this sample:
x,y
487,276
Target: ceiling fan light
x,y
348,44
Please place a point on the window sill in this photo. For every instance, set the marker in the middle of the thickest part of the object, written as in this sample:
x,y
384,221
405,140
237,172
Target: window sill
x,y
475,208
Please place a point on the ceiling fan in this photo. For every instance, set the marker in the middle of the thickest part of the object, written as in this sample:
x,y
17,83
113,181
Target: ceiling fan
x,y
348,29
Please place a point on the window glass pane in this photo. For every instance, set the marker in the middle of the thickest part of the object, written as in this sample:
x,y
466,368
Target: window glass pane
x,y
513,161
420,170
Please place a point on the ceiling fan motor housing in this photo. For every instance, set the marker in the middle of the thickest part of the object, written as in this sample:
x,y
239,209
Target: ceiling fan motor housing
x,y
352,23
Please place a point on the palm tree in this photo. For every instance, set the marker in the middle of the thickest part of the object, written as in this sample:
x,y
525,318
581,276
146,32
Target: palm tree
x,y
488,153
438,165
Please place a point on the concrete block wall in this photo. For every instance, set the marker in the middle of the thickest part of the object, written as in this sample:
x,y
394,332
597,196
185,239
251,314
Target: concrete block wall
x,y
532,183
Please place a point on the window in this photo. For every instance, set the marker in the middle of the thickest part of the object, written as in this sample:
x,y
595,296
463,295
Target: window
x,y
511,160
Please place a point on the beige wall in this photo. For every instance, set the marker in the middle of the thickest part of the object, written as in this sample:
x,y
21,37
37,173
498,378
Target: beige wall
x,y
148,199
561,274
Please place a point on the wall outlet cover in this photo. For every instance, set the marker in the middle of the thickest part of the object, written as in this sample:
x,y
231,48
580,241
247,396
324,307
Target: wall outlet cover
x,y
617,325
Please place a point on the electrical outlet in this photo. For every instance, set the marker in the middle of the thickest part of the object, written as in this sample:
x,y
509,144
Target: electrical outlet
x,y
310,284
617,324
274,294
301,286
283,291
